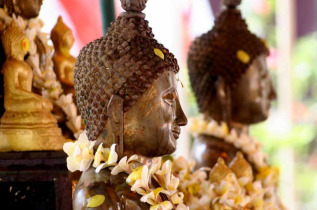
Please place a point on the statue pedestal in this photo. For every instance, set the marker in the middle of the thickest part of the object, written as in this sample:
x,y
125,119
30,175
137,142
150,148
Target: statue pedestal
x,y
35,180
30,138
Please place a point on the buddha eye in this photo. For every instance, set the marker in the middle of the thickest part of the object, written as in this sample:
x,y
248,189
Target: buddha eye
x,y
169,99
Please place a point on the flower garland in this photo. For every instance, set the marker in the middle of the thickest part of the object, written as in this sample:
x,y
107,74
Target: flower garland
x,y
201,193
230,192
262,192
184,188
141,171
249,145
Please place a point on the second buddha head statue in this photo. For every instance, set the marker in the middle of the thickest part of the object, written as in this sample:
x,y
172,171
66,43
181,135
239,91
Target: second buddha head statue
x,y
228,70
125,83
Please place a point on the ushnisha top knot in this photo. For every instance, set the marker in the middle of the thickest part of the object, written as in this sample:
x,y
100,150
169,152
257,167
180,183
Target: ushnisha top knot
x,y
232,3
125,63
133,5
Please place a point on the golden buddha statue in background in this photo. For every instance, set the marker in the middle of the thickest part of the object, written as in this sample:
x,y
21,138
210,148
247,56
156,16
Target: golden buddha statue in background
x,y
27,123
45,82
64,63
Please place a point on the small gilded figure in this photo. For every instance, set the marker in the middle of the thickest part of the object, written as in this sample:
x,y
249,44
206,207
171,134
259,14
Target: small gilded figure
x,y
57,87
27,123
64,63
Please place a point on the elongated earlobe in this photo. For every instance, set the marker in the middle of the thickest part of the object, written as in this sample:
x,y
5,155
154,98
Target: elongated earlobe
x,y
224,96
116,119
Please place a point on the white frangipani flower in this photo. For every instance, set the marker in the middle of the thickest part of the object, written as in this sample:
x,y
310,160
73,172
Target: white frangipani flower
x,y
105,157
80,153
166,178
124,165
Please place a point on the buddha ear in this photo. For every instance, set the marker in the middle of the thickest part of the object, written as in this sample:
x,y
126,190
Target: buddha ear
x,y
221,89
116,118
224,96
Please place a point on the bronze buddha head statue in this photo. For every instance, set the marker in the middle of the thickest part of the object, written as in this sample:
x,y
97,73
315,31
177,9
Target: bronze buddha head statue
x,y
126,88
25,8
228,70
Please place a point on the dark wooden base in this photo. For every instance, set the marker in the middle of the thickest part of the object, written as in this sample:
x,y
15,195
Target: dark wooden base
x,y
35,180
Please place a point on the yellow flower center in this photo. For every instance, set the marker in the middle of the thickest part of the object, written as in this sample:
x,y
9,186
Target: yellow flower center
x,y
136,174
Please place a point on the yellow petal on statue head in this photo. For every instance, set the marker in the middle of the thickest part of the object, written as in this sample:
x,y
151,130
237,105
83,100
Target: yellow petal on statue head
x,y
26,45
159,53
96,201
243,56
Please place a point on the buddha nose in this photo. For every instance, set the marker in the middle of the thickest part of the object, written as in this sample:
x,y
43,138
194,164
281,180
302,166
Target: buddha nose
x,y
272,94
181,118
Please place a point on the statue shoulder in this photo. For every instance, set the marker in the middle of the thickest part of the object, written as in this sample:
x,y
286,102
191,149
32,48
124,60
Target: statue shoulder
x,y
116,191
17,66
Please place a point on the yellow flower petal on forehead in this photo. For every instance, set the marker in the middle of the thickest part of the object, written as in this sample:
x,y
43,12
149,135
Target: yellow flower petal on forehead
x,y
243,56
96,201
159,53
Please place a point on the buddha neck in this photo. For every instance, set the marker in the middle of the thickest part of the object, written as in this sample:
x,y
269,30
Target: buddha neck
x,y
61,50
18,57
106,138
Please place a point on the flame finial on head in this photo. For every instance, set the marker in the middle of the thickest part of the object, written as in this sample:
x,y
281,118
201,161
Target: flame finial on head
x,y
232,3
133,5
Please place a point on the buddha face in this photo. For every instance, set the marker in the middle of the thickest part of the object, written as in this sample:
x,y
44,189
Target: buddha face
x,y
15,43
68,39
29,8
152,125
252,95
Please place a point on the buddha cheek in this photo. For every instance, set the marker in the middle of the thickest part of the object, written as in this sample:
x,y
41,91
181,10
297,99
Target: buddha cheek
x,y
167,141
